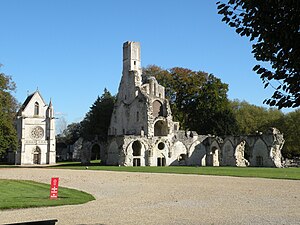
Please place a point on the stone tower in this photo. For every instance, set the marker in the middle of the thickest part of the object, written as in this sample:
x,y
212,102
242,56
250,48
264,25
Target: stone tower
x,y
141,112
141,108
36,132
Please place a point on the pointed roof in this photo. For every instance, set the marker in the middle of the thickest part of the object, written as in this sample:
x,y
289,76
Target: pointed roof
x,y
28,99
50,104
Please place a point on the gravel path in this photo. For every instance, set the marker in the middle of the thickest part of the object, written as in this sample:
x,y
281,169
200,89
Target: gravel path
x,y
143,198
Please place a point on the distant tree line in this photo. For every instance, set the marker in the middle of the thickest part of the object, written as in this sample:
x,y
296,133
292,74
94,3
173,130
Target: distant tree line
x,y
8,109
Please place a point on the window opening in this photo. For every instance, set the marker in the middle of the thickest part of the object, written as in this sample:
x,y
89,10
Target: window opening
x,y
161,146
36,109
136,147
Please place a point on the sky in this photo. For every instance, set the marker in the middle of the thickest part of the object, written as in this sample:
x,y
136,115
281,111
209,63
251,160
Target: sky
x,y
70,50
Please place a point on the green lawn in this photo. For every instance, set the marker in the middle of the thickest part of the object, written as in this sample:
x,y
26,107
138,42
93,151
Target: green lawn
x,y
26,194
274,173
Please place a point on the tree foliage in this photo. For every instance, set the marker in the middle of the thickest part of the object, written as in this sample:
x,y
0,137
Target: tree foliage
x,y
97,120
198,100
8,106
273,25
252,118
70,135
289,125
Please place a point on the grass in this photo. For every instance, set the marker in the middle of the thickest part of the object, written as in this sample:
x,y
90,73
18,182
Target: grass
x,y
274,173
17,194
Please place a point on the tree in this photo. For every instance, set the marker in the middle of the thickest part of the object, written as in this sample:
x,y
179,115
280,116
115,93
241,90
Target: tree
x,y
71,134
273,25
8,108
252,118
198,100
97,120
61,124
289,125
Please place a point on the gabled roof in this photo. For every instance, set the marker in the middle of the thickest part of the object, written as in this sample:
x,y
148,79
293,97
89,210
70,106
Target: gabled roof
x,y
28,99
26,102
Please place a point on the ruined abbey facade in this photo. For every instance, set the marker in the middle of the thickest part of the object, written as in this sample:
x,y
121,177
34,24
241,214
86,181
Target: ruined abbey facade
x,y
143,133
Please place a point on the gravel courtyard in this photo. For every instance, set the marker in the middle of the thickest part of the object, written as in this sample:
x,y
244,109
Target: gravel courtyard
x,y
143,198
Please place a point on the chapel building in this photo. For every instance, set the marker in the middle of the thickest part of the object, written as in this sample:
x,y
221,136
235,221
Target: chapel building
x,y
36,132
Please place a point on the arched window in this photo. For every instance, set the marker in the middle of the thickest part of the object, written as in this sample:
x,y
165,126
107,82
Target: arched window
x,y
37,155
136,147
36,108
157,109
95,152
160,128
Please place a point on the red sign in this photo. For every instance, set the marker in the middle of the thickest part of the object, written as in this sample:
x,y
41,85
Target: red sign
x,y
54,188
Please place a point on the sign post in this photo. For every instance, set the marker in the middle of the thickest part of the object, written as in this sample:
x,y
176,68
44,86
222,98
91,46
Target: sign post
x,y
54,188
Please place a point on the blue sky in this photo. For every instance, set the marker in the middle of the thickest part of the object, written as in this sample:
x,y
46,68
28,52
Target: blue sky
x,y
72,49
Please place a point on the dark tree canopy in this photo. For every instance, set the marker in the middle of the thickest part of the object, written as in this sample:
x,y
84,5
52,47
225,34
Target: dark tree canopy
x,y
8,106
198,100
274,26
70,135
289,125
97,120
252,118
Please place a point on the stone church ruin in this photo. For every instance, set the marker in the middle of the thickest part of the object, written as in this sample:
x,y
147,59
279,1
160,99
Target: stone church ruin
x,y
142,131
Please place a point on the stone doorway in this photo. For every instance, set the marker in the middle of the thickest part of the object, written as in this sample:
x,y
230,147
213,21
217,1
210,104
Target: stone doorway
x,y
37,156
161,161
136,153
212,158
95,153
136,162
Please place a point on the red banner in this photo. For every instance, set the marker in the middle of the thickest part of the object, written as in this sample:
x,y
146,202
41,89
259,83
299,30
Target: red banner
x,y
54,188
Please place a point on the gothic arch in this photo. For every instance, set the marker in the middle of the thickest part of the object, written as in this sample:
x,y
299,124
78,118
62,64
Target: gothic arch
x,y
36,108
136,154
95,152
260,154
160,128
228,154
158,109
37,155
197,154
136,148
212,158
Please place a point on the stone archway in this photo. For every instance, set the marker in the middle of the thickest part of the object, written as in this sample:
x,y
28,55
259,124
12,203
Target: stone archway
x,y
136,153
260,155
95,152
157,109
160,128
212,159
37,155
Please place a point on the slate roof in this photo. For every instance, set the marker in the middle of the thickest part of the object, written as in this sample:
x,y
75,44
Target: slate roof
x,y
28,99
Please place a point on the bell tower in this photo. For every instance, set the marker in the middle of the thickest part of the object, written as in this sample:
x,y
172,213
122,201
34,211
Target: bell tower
x,y
132,71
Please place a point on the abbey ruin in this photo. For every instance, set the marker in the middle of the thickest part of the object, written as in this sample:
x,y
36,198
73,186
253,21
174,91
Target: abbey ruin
x,y
143,133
